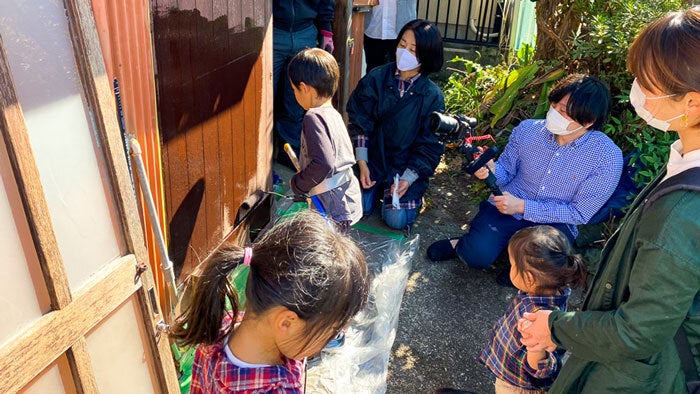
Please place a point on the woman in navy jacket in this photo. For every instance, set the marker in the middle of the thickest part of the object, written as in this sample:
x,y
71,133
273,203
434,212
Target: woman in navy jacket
x,y
388,122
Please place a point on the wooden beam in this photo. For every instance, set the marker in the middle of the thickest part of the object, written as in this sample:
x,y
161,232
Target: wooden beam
x,y
38,216
343,45
49,337
101,99
81,367
19,149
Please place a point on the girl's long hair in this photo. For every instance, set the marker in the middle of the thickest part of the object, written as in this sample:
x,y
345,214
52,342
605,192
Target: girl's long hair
x,y
302,264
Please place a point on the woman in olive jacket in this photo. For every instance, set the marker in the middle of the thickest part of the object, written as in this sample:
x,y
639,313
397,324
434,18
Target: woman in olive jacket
x,y
647,288
388,122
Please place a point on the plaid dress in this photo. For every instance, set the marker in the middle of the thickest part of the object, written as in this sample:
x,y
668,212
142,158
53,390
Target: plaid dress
x,y
212,372
506,357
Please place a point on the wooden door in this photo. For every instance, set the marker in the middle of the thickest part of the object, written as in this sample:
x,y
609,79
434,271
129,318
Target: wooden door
x,y
214,89
78,315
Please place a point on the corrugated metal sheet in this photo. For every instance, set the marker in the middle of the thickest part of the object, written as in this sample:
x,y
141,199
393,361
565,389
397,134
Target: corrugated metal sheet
x,y
124,28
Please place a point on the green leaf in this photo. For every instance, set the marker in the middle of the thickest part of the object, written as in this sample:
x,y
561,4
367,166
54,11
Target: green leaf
x,y
501,107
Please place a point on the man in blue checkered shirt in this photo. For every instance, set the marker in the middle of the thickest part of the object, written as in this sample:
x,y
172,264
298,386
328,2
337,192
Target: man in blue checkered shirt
x,y
557,171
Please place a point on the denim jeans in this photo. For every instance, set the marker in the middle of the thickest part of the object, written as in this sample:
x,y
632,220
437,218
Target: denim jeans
x,y
288,113
489,233
394,218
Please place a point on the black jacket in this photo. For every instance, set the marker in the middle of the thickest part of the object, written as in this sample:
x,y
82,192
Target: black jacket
x,y
295,15
397,127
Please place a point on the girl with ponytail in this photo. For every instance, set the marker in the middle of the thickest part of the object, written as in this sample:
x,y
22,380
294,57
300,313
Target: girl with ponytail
x,y
543,267
306,281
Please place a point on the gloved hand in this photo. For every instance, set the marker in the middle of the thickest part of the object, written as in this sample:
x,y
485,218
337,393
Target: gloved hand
x,y
327,41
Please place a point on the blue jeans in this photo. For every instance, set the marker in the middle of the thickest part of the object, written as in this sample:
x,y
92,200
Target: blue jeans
x,y
288,113
489,234
397,219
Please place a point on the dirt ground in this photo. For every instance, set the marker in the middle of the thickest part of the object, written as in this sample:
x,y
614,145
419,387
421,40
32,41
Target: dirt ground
x,y
448,308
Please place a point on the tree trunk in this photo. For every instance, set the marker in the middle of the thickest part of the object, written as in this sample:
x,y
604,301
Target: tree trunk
x,y
557,21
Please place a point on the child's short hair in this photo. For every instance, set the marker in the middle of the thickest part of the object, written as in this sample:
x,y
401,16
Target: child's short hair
x,y
302,264
589,99
316,68
547,254
428,45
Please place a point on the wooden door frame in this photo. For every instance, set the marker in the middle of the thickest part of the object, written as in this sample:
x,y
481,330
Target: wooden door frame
x,y
73,315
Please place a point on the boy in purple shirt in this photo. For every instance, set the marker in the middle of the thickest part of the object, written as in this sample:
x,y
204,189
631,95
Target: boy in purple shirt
x,y
327,154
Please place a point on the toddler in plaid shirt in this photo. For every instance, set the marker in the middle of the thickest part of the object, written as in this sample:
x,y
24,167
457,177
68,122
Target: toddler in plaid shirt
x,y
542,267
306,281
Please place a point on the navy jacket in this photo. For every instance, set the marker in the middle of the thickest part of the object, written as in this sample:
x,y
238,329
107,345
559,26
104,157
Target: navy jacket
x,y
397,127
296,15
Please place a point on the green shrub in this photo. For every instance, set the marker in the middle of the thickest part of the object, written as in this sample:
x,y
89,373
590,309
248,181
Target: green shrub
x,y
470,85
502,95
600,47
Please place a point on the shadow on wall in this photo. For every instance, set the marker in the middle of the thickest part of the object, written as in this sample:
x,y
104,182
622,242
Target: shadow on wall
x,y
182,226
202,66
208,85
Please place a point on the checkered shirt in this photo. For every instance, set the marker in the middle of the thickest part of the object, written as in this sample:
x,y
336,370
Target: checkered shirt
x,y
506,357
404,85
212,372
560,184
410,204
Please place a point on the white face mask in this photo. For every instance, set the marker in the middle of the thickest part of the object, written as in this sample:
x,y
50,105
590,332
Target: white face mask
x,y
557,124
638,99
405,61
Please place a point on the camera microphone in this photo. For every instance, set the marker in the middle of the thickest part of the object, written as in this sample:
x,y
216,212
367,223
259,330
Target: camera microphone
x,y
480,161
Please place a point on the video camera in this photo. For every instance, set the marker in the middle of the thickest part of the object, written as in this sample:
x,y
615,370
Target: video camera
x,y
457,129
451,129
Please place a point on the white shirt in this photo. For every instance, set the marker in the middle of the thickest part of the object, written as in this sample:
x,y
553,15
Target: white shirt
x,y
678,162
237,361
380,23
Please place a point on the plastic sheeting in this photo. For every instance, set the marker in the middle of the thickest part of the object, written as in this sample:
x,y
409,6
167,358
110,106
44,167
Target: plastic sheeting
x,y
362,363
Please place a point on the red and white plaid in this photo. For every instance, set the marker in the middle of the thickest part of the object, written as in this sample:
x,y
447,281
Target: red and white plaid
x,y
212,372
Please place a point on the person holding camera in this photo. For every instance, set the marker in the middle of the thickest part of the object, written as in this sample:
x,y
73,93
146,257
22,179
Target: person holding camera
x,y
557,171
388,115
639,328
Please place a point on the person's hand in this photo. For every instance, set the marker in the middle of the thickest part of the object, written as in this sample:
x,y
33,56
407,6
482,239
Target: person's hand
x,y
365,181
534,329
327,41
403,186
483,172
508,204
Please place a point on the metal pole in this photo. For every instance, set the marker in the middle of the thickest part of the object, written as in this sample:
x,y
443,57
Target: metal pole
x,y
166,265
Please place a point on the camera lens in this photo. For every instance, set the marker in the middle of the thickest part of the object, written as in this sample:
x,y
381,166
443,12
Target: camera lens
x,y
441,124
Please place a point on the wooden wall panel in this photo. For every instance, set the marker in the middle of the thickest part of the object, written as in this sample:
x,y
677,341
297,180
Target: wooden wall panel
x,y
210,83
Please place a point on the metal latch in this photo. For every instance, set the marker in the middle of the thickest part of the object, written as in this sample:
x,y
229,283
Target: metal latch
x,y
162,328
140,269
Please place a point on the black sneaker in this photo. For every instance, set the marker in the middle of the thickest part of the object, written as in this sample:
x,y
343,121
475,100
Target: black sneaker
x,y
441,250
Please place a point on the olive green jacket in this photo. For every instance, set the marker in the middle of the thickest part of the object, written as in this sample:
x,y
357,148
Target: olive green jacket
x,y
647,286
